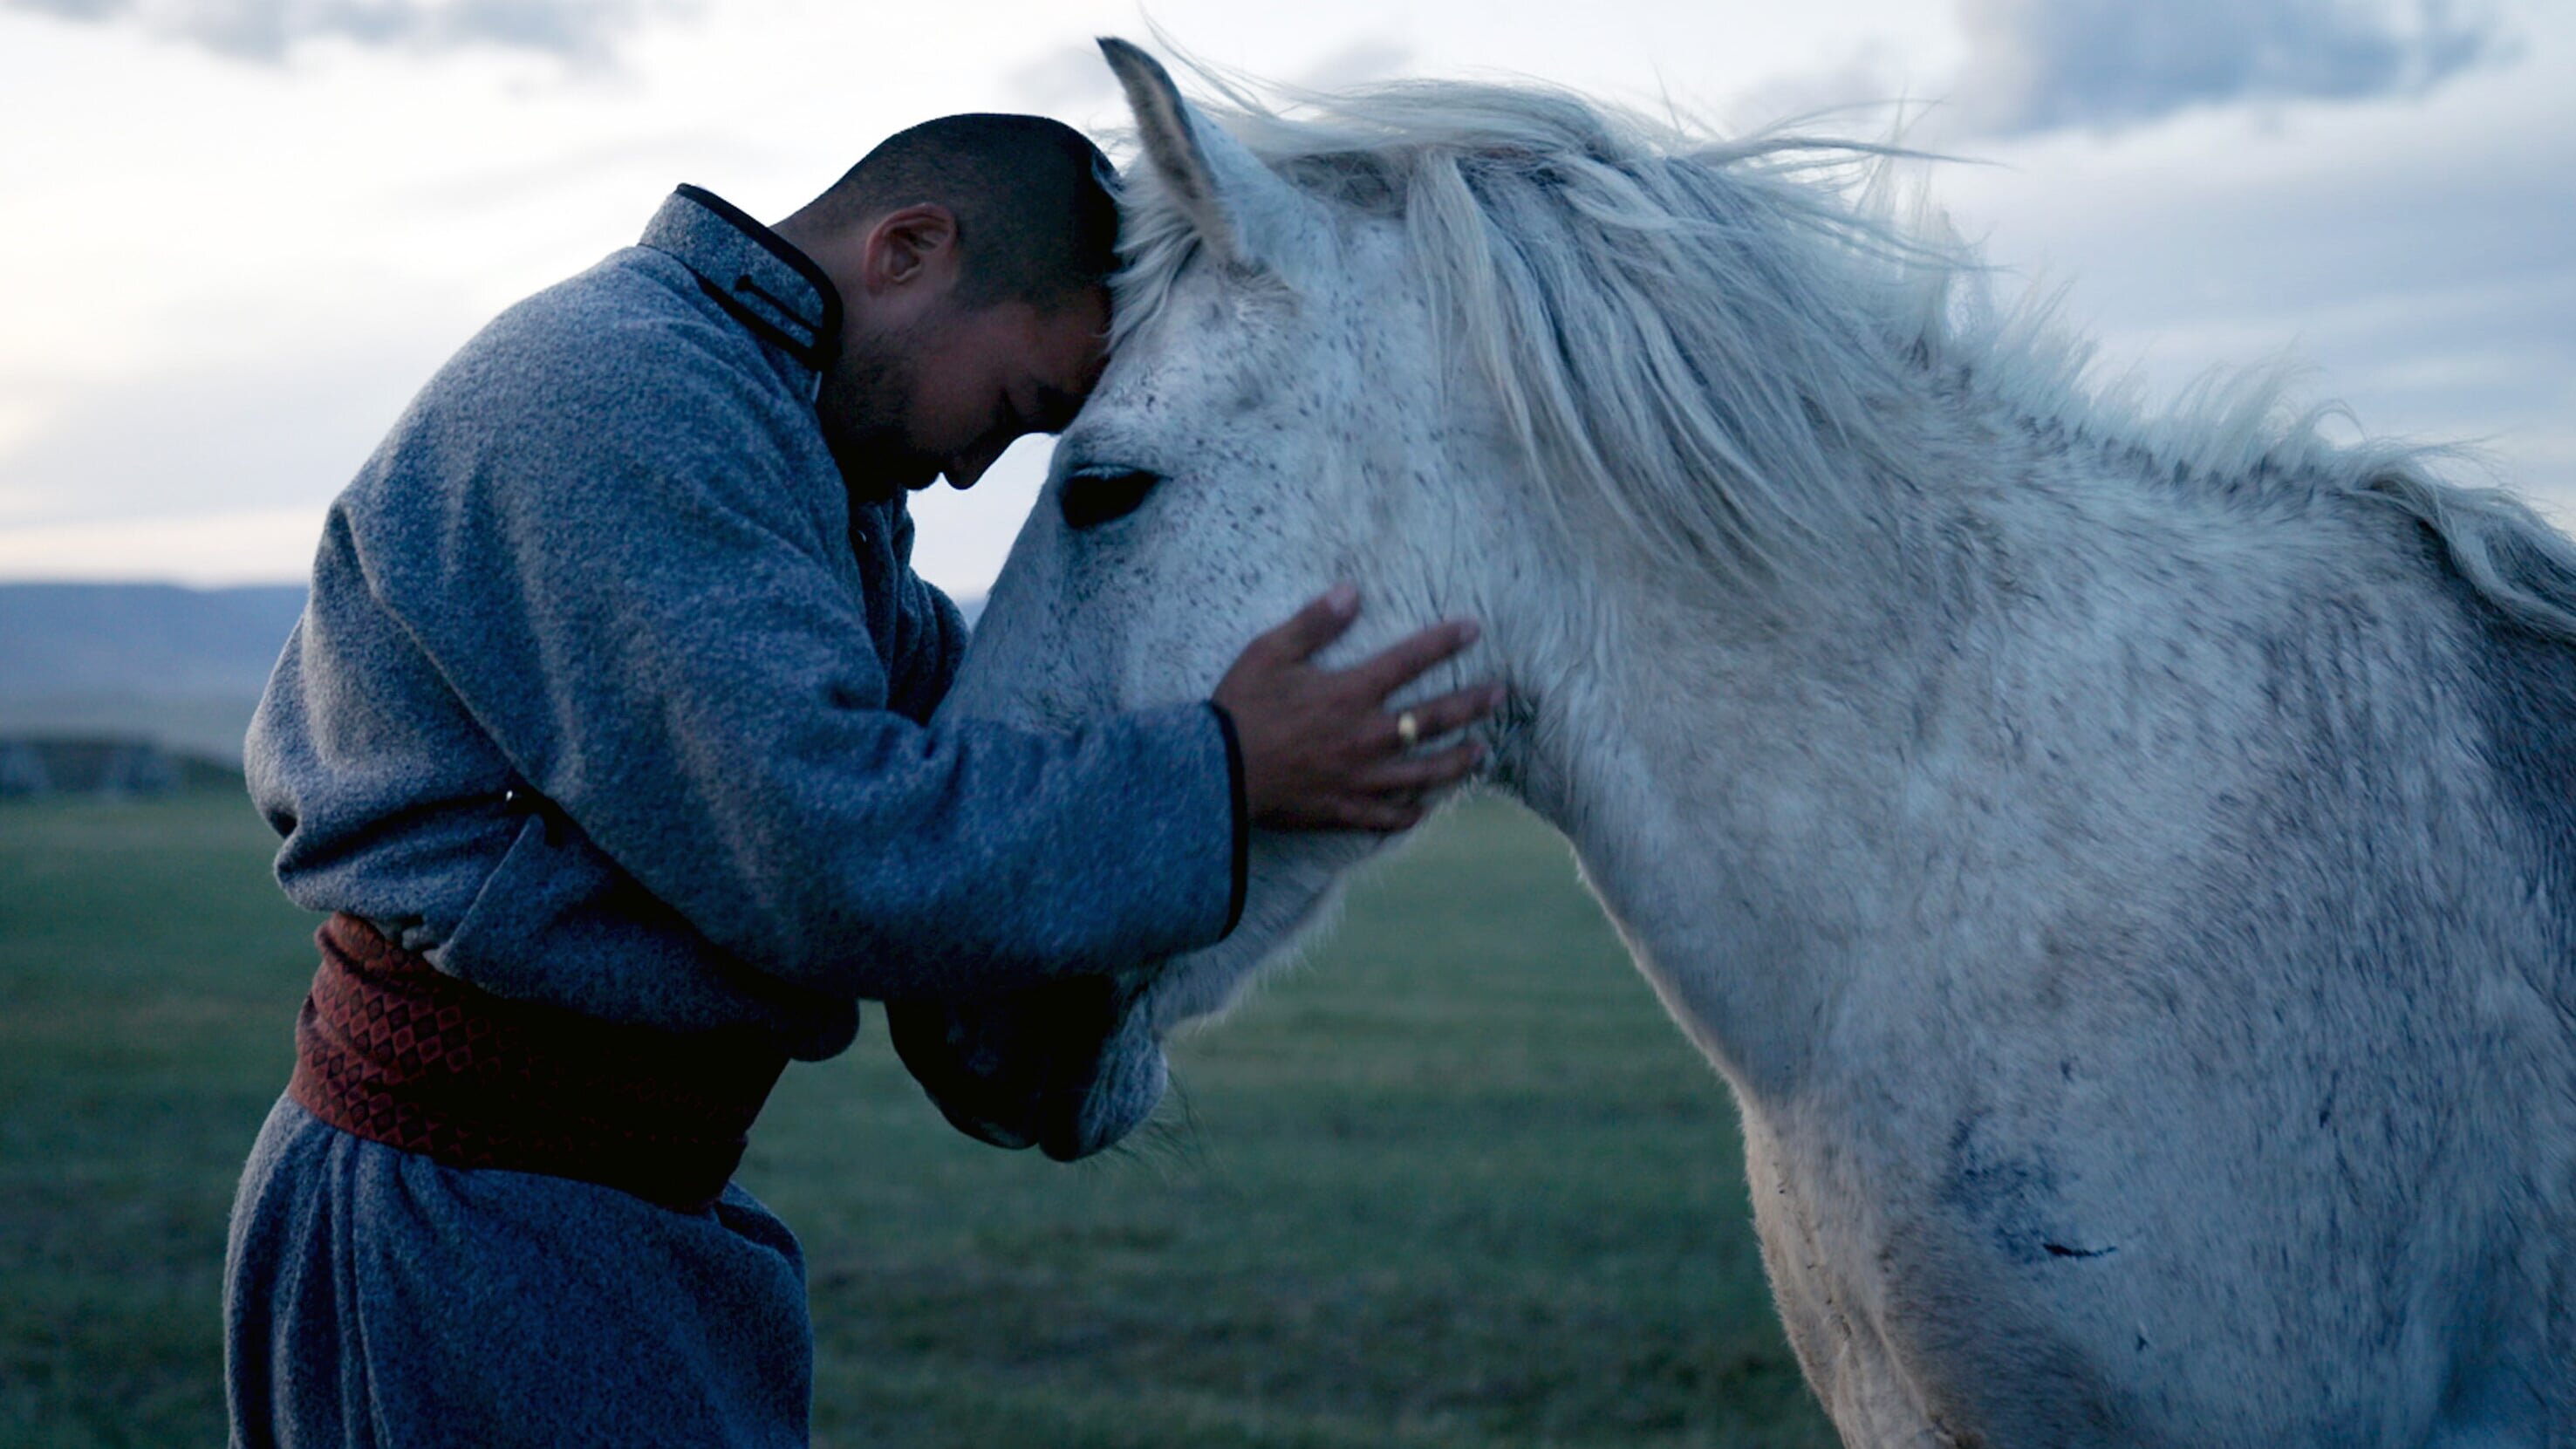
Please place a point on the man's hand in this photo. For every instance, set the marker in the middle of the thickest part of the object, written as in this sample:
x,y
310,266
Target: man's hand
x,y
1320,750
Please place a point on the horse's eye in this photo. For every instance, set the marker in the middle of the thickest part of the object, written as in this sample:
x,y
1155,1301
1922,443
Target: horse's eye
x,y
1094,496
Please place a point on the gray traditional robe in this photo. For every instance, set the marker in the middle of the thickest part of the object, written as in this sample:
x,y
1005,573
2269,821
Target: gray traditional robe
x,y
609,696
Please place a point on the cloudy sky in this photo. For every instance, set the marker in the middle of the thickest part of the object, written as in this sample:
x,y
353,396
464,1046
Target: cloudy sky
x,y
238,233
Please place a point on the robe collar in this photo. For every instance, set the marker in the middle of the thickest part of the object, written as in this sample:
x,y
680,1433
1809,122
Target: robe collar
x,y
756,275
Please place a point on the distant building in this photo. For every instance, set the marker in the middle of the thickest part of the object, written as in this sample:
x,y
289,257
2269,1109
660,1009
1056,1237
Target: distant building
x,y
22,770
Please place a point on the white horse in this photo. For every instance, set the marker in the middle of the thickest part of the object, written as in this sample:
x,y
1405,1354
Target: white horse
x,y
2126,870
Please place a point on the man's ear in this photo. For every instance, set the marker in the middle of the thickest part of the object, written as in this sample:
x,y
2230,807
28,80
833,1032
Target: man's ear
x,y
910,247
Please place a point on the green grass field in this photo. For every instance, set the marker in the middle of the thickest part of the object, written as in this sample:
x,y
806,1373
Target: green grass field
x,y
1455,1182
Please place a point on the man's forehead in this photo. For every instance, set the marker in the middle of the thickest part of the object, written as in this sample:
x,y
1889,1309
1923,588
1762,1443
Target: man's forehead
x,y
1079,353
1056,406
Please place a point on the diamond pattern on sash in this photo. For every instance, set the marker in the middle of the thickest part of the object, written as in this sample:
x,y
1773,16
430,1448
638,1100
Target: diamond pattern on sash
x,y
391,1049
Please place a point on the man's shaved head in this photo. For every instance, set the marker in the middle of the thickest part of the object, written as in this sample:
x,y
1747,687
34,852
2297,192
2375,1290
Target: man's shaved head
x,y
1036,219
972,256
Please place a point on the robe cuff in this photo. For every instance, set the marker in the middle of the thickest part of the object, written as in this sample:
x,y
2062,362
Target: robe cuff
x,y
1242,812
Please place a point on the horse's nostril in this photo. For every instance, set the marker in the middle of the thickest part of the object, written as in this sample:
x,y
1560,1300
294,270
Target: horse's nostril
x,y
1095,496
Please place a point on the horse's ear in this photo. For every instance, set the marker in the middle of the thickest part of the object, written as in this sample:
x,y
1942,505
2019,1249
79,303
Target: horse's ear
x,y
1241,210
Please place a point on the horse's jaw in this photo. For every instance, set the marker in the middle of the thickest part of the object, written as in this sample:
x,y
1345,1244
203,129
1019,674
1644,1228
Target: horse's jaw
x,y
1126,1080
1293,894
1073,1067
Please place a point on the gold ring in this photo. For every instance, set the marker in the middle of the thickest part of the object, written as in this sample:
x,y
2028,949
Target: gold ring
x,y
1408,729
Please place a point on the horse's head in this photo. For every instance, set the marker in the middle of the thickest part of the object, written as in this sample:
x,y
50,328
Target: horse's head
x,y
1271,421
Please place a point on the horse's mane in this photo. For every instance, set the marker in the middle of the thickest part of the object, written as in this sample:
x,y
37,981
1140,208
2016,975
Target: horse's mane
x,y
1714,339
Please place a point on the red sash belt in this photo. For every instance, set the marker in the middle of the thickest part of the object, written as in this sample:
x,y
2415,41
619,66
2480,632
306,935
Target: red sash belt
x,y
392,1049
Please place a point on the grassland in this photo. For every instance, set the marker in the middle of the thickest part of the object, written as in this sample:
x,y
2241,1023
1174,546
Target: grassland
x,y
1456,1182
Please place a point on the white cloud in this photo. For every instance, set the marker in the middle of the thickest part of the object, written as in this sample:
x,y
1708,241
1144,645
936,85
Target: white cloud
x,y
1065,76
266,30
208,550
220,278
257,433
2413,253
1369,58
2038,65
2102,66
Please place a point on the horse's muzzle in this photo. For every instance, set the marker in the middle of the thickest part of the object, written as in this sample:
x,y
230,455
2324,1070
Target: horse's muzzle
x,y
1068,1067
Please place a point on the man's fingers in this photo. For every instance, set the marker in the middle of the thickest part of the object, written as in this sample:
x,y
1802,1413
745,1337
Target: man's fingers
x,y
1425,772
1436,717
1382,816
1402,662
1314,626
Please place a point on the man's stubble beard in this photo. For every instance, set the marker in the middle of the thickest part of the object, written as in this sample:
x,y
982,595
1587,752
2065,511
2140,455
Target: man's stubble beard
x,y
861,409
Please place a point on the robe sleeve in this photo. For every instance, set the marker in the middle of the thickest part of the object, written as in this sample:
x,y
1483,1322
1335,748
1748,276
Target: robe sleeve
x,y
620,575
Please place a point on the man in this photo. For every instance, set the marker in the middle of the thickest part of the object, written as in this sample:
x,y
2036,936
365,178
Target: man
x,y
604,738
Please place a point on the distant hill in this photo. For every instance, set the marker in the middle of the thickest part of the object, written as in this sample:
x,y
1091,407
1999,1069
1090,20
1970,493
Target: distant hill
x,y
183,667
150,640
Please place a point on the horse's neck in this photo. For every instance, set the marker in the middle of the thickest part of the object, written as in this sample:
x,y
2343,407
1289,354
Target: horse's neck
x,y
1730,812
1775,807
1722,794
